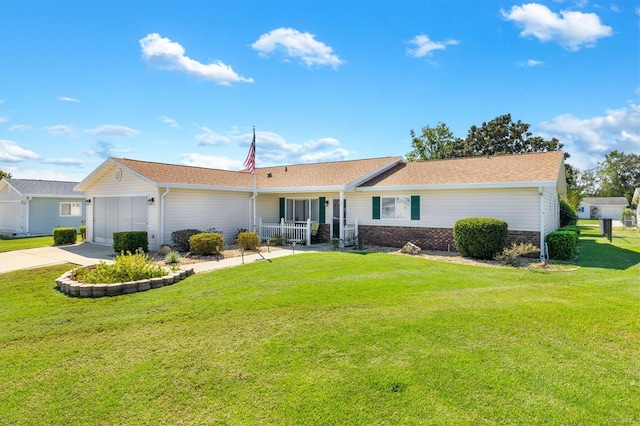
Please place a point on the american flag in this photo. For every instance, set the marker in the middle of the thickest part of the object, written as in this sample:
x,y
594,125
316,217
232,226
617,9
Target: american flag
x,y
250,161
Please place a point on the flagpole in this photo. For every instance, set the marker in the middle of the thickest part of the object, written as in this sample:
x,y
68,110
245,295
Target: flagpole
x,y
255,192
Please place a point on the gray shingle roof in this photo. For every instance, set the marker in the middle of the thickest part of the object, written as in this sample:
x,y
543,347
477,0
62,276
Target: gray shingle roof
x,y
44,188
606,201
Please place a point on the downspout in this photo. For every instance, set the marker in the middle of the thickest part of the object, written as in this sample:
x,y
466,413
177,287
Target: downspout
x,y
252,206
542,246
25,220
166,192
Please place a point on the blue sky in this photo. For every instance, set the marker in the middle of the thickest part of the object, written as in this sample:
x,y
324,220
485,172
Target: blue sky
x,y
184,81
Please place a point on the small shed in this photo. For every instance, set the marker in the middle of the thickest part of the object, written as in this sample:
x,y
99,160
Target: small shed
x,y
37,207
602,207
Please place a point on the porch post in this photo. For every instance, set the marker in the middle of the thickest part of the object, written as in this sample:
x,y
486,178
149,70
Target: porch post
x,y
282,227
309,232
342,219
260,227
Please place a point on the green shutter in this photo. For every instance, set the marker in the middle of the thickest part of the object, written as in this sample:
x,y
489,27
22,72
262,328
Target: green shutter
x,y
415,207
281,209
376,207
321,213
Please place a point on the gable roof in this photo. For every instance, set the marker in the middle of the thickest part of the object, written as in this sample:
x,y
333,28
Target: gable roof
x,y
606,201
43,188
519,170
317,176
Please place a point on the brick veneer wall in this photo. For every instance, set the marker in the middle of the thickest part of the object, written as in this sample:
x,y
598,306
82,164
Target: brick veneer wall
x,y
427,238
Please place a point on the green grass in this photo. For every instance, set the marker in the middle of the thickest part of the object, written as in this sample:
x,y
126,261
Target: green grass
x,y
332,338
22,243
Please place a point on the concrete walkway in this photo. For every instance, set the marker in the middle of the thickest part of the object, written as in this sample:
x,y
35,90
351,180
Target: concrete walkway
x,y
85,254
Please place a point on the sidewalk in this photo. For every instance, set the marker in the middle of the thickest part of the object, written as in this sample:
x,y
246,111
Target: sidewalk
x,y
85,254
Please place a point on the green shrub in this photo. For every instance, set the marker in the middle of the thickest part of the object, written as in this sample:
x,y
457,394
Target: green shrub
x,y
127,267
64,236
206,243
248,240
172,258
276,240
625,213
181,238
130,241
567,215
573,228
562,245
480,237
83,232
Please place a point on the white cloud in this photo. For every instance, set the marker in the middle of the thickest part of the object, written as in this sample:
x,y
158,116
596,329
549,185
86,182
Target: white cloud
x,y
570,29
11,152
424,46
212,162
61,130
3,119
209,137
67,99
295,44
169,55
588,140
20,127
113,130
170,121
530,63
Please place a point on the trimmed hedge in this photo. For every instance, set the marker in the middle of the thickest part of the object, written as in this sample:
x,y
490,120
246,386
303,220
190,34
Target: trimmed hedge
x,y
567,215
206,243
64,236
248,240
563,245
480,237
130,241
181,238
572,228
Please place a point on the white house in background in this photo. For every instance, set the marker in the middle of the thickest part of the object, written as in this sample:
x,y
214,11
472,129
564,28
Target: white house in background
x,y
37,207
602,207
389,200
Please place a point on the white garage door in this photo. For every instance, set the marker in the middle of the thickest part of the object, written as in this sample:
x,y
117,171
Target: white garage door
x,y
118,214
609,212
11,217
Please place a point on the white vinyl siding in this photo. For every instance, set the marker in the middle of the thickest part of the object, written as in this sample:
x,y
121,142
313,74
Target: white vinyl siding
x,y
442,208
199,209
551,210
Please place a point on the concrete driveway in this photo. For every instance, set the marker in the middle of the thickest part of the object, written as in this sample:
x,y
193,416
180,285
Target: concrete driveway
x,y
82,254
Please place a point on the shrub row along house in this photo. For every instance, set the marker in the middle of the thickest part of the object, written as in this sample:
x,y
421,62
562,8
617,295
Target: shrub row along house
x,y
387,201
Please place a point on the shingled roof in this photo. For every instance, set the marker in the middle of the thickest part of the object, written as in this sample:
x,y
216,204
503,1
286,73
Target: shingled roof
x,y
532,169
44,188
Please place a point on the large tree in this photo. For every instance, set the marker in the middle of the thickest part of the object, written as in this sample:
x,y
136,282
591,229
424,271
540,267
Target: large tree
x,y
619,175
435,143
5,174
504,136
499,136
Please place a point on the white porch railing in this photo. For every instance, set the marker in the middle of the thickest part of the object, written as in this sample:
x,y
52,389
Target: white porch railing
x,y
289,230
351,234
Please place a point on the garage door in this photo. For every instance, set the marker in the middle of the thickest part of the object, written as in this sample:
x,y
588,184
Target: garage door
x,y
11,219
118,214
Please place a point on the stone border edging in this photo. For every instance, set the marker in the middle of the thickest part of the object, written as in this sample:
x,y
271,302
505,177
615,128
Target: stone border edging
x,y
77,289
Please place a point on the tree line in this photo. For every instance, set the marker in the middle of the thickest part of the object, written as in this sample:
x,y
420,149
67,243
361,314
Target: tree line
x,y
616,176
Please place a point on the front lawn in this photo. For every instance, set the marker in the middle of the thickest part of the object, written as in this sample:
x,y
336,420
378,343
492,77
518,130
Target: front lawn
x,y
22,243
332,338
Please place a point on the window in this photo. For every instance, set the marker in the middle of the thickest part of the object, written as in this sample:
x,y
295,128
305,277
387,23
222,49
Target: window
x,y
401,208
70,209
301,209
396,207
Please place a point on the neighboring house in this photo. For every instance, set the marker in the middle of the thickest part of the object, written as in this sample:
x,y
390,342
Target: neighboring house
x,y
602,207
391,201
37,207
